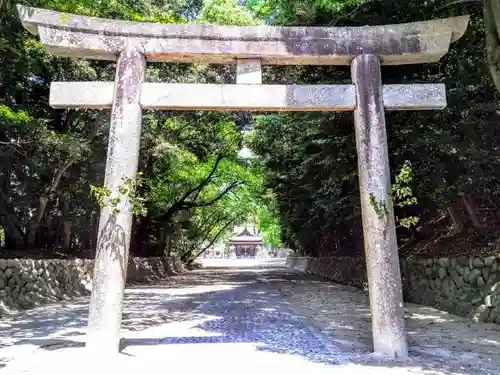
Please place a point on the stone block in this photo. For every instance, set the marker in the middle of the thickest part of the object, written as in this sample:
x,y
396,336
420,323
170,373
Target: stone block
x,y
444,262
488,261
495,300
463,261
494,266
477,263
446,305
495,315
466,274
486,273
495,289
442,273
463,308
480,313
474,274
480,282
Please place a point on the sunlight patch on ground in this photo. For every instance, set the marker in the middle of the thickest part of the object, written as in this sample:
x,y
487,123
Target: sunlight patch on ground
x,y
198,289
434,318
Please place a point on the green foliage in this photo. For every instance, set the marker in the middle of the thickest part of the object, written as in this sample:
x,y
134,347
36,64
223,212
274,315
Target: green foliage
x,y
402,194
13,117
227,12
51,159
127,190
301,189
311,158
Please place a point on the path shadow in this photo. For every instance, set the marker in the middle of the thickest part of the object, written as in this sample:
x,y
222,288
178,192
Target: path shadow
x,y
244,307
144,306
255,313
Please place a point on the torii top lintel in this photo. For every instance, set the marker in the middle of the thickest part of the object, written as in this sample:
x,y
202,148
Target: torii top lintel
x,y
66,34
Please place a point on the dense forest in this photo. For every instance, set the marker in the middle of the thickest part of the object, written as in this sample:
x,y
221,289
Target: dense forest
x,y
300,184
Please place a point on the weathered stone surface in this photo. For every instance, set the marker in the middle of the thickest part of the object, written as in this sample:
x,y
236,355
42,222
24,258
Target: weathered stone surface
x,y
249,71
463,261
480,313
486,273
488,261
495,315
379,230
495,289
495,300
248,97
480,282
494,266
466,274
442,273
444,262
97,38
115,223
477,263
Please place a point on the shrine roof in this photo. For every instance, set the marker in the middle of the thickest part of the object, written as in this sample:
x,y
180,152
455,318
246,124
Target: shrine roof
x,y
246,237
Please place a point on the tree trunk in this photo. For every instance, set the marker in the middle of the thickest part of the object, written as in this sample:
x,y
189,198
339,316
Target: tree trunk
x,y
472,211
458,225
35,223
44,200
66,224
13,237
167,249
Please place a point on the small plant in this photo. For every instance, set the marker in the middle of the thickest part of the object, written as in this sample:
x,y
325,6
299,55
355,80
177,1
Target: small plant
x,y
402,194
128,189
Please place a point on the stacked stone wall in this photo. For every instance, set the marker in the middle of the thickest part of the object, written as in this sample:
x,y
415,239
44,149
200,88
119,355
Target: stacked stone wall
x,y
463,286
28,283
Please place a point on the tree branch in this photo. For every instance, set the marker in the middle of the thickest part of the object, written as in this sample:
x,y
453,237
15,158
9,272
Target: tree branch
x,y
210,202
180,204
208,223
213,240
209,230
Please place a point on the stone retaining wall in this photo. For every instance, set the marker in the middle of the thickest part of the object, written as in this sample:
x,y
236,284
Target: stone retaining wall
x,y
27,283
463,286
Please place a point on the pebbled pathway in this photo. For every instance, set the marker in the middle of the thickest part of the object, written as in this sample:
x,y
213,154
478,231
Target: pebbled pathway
x,y
214,320
239,317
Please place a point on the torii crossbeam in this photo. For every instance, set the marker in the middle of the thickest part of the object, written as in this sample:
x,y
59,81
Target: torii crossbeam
x,y
365,49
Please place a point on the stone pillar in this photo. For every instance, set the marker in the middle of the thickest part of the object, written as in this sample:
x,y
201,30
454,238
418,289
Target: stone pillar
x,y
379,230
110,270
249,71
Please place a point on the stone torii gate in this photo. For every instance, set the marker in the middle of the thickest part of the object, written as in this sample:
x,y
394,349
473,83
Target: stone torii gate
x,y
365,49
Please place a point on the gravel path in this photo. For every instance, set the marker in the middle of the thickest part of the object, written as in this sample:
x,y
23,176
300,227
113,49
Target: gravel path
x,y
209,320
252,316
439,343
